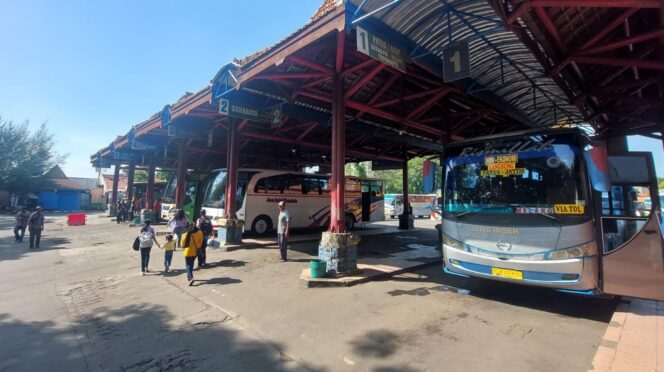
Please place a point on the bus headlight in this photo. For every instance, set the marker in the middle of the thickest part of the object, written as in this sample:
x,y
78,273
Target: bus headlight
x,y
582,250
453,243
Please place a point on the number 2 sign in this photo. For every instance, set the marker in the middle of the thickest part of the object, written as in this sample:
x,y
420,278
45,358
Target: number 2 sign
x,y
456,61
224,106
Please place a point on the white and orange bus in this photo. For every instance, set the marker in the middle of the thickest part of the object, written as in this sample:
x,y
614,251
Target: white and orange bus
x,y
306,195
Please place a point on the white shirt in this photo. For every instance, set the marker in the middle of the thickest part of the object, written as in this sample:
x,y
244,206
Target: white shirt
x,y
283,219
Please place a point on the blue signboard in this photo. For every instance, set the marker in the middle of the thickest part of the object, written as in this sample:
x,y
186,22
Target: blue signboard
x,y
456,61
165,115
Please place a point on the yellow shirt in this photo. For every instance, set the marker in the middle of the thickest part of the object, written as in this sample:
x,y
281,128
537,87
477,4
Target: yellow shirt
x,y
169,246
195,242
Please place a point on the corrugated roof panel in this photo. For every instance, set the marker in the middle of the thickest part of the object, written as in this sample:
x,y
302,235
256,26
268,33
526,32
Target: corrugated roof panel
x,y
434,24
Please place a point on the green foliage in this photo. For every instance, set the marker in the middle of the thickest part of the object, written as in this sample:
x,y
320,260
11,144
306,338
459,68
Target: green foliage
x,y
25,157
393,179
141,175
660,183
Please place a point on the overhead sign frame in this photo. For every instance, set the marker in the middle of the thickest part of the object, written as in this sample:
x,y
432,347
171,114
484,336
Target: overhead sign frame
x,y
380,49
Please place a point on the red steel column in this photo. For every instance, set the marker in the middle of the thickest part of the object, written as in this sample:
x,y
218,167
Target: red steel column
x,y
149,193
338,204
232,163
116,179
181,182
130,181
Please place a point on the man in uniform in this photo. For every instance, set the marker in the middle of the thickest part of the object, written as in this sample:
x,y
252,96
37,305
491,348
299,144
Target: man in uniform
x,y
283,230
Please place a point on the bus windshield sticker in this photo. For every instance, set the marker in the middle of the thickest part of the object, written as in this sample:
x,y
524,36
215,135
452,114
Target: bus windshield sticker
x,y
503,172
502,159
569,209
536,210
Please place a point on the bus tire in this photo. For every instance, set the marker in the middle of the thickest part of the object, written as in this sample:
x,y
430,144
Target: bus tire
x,y
261,225
350,222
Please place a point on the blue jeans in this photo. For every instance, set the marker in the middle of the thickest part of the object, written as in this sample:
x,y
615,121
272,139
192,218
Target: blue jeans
x,y
145,258
189,264
168,257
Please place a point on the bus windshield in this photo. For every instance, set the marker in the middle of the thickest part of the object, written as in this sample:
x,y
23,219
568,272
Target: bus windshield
x,y
215,189
169,192
534,174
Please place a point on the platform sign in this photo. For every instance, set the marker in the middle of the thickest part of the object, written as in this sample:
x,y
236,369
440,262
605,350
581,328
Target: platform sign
x,y
165,115
126,156
380,49
239,110
385,165
138,145
276,116
456,61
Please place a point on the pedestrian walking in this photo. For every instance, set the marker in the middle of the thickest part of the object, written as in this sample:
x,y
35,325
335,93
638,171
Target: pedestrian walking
x,y
21,224
178,225
205,225
157,210
283,230
191,241
168,248
146,238
36,226
120,217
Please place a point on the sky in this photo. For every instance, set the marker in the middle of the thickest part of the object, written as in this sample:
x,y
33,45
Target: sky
x,y
92,69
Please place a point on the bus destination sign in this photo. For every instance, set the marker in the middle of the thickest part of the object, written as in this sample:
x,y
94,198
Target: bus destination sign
x,y
378,48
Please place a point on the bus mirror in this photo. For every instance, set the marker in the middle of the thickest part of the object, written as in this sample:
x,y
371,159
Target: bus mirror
x,y
597,161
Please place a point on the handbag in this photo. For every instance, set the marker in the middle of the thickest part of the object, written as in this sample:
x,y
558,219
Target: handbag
x,y
137,244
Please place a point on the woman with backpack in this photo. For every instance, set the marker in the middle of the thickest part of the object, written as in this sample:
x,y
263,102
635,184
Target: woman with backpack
x,y
192,241
178,225
146,239
205,225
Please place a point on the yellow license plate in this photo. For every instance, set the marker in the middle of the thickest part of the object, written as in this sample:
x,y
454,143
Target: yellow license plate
x,y
507,273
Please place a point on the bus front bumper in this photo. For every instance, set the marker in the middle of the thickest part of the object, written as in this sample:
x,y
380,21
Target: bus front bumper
x,y
577,274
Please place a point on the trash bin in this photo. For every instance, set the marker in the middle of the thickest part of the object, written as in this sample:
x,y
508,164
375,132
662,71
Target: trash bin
x,y
318,268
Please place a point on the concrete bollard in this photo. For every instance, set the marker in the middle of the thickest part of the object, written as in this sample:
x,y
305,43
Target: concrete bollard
x,y
339,251
229,232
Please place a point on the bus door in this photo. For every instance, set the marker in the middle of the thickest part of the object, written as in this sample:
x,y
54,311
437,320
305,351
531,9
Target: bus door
x,y
632,244
366,200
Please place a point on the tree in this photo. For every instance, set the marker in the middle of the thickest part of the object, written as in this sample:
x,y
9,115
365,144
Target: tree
x,y
141,175
393,179
25,157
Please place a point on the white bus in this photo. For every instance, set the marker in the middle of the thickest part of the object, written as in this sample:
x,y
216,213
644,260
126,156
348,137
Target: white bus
x,y
547,208
421,204
306,195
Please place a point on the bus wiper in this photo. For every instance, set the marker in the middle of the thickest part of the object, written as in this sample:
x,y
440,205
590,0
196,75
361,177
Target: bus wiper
x,y
464,214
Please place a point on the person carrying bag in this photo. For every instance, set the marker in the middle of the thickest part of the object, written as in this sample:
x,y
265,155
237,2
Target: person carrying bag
x,y
192,241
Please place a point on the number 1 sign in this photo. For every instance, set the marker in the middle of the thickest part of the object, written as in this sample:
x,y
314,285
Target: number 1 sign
x,y
456,61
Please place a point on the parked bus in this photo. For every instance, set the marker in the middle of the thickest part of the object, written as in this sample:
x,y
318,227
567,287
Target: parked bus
x,y
306,195
421,204
547,208
193,195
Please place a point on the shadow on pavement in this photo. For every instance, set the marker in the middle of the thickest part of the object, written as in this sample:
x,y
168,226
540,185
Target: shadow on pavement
x,y
217,281
136,337
543,299
9,250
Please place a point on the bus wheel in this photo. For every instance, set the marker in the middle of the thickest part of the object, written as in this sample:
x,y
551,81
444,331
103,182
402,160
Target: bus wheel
x,y
261,225
350,222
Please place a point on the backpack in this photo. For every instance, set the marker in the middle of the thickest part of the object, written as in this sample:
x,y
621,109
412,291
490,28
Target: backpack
x,y
206,226
145,239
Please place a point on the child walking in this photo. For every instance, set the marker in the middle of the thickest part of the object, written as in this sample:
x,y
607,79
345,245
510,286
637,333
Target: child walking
x,y
168,248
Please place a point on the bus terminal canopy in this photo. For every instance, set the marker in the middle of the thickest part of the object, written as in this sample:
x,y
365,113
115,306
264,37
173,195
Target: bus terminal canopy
x,y
404,78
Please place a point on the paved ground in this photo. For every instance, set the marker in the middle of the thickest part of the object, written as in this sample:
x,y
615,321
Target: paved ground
x,y
79,304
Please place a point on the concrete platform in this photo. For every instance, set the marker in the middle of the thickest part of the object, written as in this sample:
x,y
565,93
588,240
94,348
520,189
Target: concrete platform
x,y
634,339
379,267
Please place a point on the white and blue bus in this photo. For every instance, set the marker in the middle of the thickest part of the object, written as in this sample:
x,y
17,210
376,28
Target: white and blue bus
x,y
547,208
